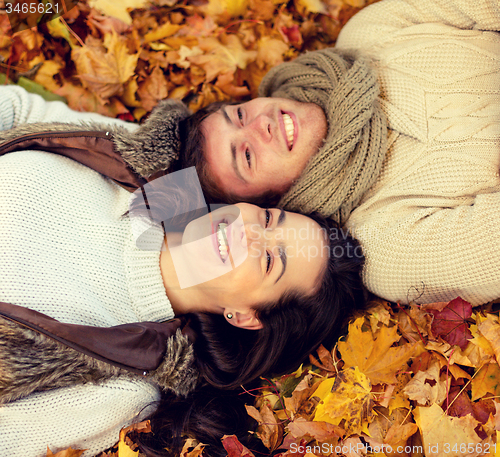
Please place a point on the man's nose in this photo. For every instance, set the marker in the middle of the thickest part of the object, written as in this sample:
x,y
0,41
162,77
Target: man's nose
x,y
262,125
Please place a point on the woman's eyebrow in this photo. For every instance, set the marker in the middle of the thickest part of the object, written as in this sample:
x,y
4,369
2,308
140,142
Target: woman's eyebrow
x,y
234,163
282,248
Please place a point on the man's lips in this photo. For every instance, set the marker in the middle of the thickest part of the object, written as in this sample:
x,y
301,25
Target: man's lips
x,y
288,142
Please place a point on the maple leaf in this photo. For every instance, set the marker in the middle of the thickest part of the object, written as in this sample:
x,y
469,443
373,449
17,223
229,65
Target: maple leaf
x,y
451,323
374,354
222,56
441,432
234,448
348,398
105,68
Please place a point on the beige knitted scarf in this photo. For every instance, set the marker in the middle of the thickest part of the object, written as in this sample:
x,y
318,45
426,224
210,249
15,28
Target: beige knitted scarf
x,y
348,164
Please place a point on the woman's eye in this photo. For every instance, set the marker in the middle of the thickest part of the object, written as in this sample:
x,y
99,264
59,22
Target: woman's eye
x,y
268,217
268,262
240,115
247,156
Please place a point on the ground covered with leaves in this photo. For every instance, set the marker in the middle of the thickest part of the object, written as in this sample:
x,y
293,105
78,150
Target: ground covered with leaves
x,y
405,381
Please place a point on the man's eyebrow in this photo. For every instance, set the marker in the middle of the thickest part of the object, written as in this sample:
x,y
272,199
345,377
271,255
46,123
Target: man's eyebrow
x,y
281,247
234,164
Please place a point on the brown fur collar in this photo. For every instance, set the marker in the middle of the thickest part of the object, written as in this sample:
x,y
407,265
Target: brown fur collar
x,y
32,362
152,147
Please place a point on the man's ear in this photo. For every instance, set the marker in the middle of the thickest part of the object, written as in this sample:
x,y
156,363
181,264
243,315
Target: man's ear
x,y
247,320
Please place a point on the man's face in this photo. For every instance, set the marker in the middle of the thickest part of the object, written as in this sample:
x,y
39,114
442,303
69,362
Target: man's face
x,y
261,145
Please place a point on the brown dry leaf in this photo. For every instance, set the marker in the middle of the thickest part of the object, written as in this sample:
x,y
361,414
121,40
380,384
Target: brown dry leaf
x,y
105,71
440,432
195,446
222,56
378,311
66,453
414,323
374,354
153,89
269,431
310,6
428,386
300,395
398,435
348,399
320,431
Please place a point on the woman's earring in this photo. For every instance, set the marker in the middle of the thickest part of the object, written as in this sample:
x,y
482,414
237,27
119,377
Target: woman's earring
x,y
229,315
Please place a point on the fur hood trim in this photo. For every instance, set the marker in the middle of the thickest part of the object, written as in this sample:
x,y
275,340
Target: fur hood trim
x,y
33,362
151,148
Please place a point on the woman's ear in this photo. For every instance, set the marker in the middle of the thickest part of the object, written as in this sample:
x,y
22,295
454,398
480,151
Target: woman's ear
x,y
247,320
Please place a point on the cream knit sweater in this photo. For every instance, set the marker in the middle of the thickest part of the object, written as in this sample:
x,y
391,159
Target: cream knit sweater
x,y
67,251
430,226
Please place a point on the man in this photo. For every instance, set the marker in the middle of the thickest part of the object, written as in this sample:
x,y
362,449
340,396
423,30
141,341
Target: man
x,y
413,172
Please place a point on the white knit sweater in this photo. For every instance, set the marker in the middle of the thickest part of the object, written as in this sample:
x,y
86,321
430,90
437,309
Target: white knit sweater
x,y
67,251
430,226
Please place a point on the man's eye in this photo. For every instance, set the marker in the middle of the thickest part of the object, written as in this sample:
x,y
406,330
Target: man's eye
x,y
268,262
240,115
268,217
247,156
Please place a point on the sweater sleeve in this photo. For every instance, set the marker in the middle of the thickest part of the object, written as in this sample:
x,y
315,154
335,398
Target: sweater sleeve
x,y
19,107
84,417
373,23
427,254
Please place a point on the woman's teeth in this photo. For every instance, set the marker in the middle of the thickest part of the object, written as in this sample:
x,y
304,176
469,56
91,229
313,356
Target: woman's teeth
x,y
289,129
222,241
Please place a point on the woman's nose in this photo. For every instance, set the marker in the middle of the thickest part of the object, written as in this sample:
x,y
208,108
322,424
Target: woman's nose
x,y
252,234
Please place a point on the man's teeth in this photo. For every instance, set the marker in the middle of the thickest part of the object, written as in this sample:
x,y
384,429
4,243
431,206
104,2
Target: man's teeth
x,y
222,241
289,129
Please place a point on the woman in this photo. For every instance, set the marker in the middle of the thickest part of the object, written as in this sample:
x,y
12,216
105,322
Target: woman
x,y
410,160
69,251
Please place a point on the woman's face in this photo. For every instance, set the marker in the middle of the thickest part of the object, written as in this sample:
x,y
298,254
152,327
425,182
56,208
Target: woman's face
x,y
261,145
240,256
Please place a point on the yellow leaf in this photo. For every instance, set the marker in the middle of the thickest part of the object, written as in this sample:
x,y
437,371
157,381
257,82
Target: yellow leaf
x,y
311,6
163,31
231,8
350,399
440,433
45,74
490,329
373,353
118,9
487,380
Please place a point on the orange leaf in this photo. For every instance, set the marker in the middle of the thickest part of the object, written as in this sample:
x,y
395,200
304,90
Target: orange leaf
x,y
66,453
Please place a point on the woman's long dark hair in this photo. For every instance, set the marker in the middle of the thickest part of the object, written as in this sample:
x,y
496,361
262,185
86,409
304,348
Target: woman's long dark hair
x,y
228,357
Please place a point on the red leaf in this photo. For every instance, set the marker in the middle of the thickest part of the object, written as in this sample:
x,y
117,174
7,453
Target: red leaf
x,y
451,323
234,448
